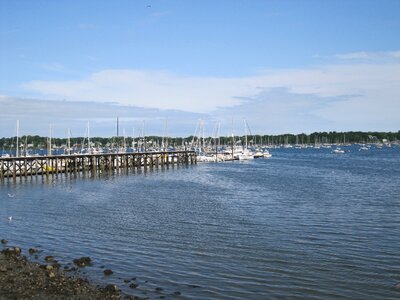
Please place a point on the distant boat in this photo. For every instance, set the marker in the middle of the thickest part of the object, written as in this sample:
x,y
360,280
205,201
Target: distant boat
x,y
258,154
245,155
266,154
338,150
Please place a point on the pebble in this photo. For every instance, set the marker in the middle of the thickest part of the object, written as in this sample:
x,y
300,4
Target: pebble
x,y
32,250
111,288
49,267
49,258
83,261
16,251
108,272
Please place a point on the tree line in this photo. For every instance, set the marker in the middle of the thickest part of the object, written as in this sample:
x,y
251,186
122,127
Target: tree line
x,y
37,142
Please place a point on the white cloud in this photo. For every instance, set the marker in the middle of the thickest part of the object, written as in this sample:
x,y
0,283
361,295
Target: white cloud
x,y
354,55
369,93
36,114
163,90
147,89
364,55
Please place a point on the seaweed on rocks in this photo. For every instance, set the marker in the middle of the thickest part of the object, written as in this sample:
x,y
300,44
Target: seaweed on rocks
x,y
21,279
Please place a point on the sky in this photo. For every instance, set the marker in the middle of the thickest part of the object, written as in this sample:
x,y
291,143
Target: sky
x,y
162,65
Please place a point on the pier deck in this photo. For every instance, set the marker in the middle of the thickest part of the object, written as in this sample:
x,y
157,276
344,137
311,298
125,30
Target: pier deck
x,y
13,167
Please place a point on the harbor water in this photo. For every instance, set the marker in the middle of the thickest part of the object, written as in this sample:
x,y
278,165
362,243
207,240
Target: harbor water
x,y
304,224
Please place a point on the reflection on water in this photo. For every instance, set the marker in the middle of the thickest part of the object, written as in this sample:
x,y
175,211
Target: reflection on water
x,y
303,224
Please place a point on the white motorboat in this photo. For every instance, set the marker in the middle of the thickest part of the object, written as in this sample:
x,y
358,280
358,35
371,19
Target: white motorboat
x,y
338,150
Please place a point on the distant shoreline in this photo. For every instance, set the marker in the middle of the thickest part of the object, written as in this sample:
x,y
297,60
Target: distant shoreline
x,y
38,142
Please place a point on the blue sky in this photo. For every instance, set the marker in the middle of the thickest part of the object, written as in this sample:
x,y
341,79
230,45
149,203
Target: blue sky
x,y
284,66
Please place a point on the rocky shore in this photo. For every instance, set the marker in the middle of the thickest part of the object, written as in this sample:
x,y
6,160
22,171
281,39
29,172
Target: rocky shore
x,y
22,279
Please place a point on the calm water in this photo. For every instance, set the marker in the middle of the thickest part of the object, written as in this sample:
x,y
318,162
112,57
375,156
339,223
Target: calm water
x,y
304,224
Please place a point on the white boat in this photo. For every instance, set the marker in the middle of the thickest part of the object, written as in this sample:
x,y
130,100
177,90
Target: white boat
x,y
266,154
258,154
338,151
246,155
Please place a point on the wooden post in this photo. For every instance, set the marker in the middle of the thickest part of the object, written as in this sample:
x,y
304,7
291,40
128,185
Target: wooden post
x,y
57,166
25,168
14,169
2,170
75,165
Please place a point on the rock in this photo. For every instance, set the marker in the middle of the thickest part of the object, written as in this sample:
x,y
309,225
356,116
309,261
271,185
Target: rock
x,y
56,265
3,241
111,288
108,272
12,251
21,279
83,261
49,258
32,250
49,267
133,285
51,274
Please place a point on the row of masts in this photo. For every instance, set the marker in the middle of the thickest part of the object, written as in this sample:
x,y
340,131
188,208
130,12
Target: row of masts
x,y
198,141
164,144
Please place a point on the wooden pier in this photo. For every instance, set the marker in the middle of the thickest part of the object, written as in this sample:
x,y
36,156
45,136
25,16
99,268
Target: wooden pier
x,y
13,167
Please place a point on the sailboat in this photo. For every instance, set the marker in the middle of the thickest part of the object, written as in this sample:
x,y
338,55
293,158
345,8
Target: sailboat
x,y
245,153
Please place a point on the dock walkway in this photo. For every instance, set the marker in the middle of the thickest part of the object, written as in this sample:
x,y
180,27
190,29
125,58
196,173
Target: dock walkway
x,y
30,166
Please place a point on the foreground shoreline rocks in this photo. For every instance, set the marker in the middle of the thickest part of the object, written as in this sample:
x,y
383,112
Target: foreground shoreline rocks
x,y
21,279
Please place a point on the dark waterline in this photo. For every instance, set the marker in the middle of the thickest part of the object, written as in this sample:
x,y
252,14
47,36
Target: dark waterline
x,y
304,224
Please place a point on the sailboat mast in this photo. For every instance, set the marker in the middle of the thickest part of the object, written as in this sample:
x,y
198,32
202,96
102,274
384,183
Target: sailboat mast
x,y
245,132
117,126
144,137
89,138
49,140
17,150
69,142
133,139
26,145
124,140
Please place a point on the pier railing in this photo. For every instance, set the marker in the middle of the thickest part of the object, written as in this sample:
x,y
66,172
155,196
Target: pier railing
x,y
13,167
